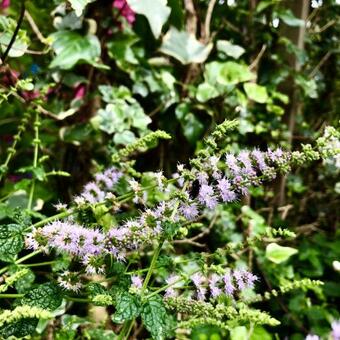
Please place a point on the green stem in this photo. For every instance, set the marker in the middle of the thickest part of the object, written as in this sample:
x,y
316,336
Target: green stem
x,y
36,143
11,296
123,335
152,265
16,138
40,264
76,299
128,324
24,258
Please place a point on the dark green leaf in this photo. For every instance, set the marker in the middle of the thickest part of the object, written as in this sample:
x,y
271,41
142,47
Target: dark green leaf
x,y
19,329
47,296
128,307
154,317
11,241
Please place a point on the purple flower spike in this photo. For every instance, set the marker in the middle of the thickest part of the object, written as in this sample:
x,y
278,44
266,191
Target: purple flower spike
x,y
227,194
189,211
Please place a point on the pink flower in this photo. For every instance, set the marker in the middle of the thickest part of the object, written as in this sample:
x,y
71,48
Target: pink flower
x,y
79,91
5,4
125,10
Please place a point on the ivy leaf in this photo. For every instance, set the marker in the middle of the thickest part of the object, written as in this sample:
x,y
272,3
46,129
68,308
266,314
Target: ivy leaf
x,y
206,91
7,27
184,47
232,73
11,241
47,296
154,317
278,254
256,92
229,49
128,307
126,137
191,126
79,6
71,48
289,19
156,11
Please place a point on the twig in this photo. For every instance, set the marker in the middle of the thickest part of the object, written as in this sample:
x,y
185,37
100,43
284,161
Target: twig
x,y
258,57
200,235
191,22
207,21
323,28
321,62
15,33
34,27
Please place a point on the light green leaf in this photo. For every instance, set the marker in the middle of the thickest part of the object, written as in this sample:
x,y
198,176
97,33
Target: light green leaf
x,y
256,92
79,5
126,137
279,254
289,19
71,48
156,11
232,73
239,333
184,47
112,118
229,49
205,92
7,27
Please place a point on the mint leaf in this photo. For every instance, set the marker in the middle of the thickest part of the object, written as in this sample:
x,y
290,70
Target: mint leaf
x,y
11,241
47,296
154,317
128,307
19,329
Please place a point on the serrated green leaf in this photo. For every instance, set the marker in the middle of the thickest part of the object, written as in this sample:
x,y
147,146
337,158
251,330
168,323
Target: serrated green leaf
x,y
19,329
47,296
184,47
279,254
156,12
256,92
72,48
11,241
95,288
128,307
154,317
